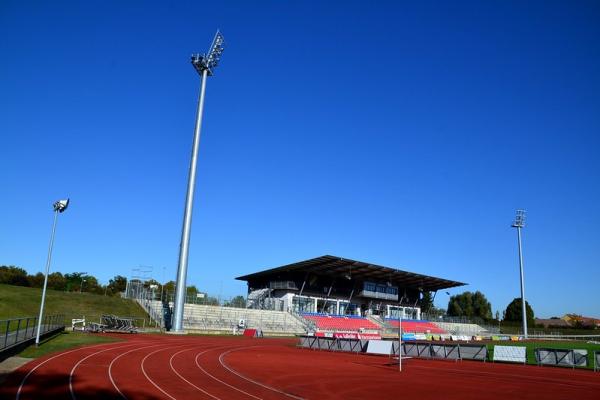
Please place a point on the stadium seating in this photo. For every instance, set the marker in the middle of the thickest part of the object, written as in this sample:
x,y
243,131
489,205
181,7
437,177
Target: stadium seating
x,y
464,329
218,319
350,323
416,326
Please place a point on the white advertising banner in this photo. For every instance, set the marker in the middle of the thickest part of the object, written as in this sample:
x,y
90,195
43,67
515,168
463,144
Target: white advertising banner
x,y
515,354
380,347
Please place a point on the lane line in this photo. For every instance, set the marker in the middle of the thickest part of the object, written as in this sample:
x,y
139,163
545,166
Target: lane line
x,y
82,360
19,390
146,375
110,376
252,380
179,375
217,379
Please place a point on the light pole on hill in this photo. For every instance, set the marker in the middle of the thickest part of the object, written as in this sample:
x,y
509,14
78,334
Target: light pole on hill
x,y
204,65
59,207
519,224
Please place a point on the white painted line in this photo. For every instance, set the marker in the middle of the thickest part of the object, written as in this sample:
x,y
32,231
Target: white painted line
x,y
251,380
179,375
18,396
119,356
82,360
217,379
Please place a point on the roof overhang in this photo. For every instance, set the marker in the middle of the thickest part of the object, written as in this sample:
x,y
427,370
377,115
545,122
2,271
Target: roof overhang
x,y
357,270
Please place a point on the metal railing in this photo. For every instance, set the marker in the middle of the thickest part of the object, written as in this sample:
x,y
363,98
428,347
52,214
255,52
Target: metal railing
x,y
18,330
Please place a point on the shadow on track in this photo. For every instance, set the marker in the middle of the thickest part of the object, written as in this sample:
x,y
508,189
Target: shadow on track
x,y
56,386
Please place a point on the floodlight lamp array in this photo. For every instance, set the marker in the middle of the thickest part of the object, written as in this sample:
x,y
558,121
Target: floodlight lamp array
x,y
519,219
207,62
61,205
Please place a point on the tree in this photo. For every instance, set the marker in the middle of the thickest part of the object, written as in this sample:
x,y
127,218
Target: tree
x,y
11,275
191,290
56,281
470,305
117,284
170,287
514,312
237,301
426,302
73,281
36,281
91,285
210,301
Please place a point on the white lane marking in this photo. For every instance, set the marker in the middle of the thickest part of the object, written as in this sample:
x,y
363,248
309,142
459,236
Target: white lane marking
x,y
119,356
146,375
217,379
251,380
82,360
18,396
179,375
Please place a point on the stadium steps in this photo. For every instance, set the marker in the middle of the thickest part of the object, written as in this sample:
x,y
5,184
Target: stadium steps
x,y
376,319
215,319
463,329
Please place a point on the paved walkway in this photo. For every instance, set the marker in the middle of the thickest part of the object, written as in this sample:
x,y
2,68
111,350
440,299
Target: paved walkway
x,y
11,364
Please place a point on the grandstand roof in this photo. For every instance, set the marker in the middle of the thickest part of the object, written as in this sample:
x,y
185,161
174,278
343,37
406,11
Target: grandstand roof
x,y
358,270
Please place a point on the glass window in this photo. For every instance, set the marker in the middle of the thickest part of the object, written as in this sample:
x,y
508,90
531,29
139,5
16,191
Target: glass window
x,y
303,304
370,286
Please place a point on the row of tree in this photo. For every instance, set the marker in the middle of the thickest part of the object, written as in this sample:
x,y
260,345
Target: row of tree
x,y
79,281
70,282
475,305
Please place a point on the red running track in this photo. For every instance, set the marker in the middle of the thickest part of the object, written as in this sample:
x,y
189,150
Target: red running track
x,y
222,368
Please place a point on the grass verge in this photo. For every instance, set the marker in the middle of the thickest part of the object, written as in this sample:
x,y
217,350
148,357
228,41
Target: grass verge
x,y
19,301
531,346
64,341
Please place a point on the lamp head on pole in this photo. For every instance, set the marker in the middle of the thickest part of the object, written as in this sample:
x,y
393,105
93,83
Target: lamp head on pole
x,y
61,205
207,62
519,219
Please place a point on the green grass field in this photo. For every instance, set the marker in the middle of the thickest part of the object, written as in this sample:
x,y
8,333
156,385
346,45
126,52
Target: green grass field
x,y
64,341
18,301
553,344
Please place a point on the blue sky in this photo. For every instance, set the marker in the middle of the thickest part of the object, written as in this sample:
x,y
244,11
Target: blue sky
x,y
397,133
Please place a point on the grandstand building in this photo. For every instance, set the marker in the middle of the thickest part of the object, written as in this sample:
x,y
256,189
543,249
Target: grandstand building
x,y
340,286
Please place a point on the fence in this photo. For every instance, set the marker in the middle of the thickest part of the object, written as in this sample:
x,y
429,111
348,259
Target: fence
x,y
19,330
562,357
411,349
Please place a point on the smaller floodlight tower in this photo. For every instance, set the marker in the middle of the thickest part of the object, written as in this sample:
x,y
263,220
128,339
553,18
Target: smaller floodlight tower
x,y
204,64
59,207
519,224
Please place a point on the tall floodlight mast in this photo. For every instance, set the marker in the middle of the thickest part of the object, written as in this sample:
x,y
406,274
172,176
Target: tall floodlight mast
x,y
59,207
204,65
519,224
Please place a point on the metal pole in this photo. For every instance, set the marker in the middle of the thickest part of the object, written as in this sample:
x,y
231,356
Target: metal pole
x,y
399,341
522,285
39,327
187,217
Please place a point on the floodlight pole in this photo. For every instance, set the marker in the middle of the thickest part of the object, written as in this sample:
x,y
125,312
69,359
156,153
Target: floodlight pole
x,y
520,223
187,217
59,207
523,304
204,64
